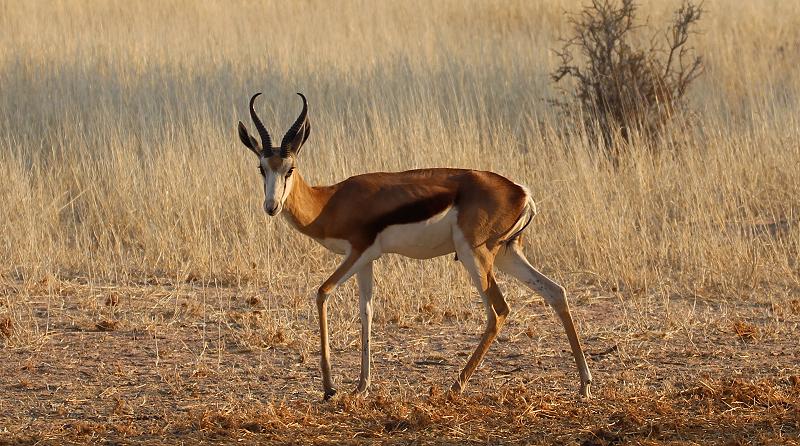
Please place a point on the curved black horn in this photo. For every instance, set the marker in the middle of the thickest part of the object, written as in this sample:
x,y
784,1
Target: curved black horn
x,y
266,141
291,142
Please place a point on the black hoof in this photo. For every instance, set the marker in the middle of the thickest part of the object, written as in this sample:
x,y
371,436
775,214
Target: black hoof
x,y
329,394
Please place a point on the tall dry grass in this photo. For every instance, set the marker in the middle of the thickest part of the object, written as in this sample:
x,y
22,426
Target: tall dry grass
x,y
120,162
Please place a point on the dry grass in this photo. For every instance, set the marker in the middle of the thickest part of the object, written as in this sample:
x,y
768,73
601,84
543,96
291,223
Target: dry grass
x,y
136,252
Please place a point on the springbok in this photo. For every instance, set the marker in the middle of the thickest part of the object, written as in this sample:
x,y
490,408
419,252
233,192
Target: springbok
x,y
421,214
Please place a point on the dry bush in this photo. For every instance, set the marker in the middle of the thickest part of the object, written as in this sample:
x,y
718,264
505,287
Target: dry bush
x,y
622,88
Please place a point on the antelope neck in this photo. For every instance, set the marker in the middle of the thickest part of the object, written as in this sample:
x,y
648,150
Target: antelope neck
x,y
305,203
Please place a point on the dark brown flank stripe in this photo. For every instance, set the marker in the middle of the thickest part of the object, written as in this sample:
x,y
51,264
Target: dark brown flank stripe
x,y
410,213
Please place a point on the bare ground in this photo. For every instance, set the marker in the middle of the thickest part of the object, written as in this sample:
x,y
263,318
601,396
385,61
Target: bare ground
x,y
143,366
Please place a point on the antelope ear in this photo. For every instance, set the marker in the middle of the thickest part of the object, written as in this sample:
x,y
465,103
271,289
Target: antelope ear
x,y
298,133
296,143
248,140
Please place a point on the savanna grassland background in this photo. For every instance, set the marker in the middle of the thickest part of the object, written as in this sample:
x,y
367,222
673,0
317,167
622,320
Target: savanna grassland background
x,y
147,298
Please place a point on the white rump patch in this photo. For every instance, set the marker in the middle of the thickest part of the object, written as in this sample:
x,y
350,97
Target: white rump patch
x,y
527,214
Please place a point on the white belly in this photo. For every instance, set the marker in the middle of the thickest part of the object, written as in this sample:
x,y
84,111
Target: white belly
x,y
336,245
421,240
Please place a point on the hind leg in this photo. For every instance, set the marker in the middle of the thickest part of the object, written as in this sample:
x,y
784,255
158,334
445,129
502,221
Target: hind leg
x,y
511,261
478,263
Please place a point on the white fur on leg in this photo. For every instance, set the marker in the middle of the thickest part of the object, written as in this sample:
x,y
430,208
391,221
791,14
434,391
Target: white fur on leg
x,y
365,282
513,262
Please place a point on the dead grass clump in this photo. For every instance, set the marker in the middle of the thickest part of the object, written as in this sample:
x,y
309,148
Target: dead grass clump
x,y
620,425
267,338
85,428
723,395
258,330
765,393
107,325
381,405
112,300
794,306
274,337
785,308
269,421
745,331
6,327
122,407
23,383
621,88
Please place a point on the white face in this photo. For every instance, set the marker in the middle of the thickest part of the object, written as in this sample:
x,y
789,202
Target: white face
x,y
278,181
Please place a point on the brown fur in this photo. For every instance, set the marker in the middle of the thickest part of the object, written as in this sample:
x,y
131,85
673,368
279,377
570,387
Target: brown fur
x,y
359,208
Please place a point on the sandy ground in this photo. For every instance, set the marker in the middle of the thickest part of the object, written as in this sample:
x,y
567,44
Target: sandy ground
x,y
666,372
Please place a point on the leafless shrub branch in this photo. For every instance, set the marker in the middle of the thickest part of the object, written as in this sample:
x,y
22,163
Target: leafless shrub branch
x,y
618,87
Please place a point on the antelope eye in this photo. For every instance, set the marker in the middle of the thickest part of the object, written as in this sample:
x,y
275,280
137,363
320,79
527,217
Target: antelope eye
x,y
289,173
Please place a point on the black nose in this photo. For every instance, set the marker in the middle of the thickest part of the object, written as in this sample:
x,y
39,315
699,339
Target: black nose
x,y
273,209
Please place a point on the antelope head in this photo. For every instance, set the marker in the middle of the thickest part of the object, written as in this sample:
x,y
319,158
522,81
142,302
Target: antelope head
x,y
276,164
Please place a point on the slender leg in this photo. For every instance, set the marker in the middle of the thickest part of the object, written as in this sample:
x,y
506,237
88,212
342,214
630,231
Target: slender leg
x,y
511,261
325,350
478,262
364,277
351,264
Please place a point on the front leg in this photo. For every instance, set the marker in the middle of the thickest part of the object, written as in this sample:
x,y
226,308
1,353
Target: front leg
x,y
325,349
365,309
354,261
